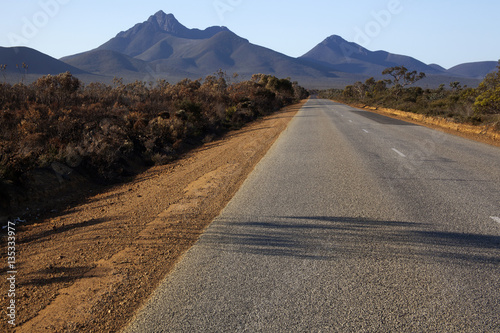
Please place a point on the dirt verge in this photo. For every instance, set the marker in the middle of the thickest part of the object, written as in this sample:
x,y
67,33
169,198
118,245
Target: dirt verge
x,y
485,134
89,268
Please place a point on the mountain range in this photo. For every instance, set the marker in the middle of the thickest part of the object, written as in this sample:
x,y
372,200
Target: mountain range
x,y
38,63
162,47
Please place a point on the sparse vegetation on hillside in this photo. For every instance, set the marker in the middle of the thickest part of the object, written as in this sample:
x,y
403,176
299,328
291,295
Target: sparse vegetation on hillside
x,y
457,103
101,130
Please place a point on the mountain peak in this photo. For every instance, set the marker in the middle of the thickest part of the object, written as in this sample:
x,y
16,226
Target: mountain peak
x,y
335,39
336,42
340,48
353,58
168,23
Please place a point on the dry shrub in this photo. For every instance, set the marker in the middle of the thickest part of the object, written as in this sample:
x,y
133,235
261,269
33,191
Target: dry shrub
x,y
97,128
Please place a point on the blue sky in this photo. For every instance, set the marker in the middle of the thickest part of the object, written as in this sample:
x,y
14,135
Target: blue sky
x,y
446,32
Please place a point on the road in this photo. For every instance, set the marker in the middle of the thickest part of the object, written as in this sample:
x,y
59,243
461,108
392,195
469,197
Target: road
x,y
353,222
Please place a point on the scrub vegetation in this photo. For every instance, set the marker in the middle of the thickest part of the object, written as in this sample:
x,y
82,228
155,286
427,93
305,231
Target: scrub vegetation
x,y
101,130
457,103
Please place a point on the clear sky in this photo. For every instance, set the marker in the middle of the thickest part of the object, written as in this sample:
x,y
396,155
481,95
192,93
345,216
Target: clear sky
x,y
446,32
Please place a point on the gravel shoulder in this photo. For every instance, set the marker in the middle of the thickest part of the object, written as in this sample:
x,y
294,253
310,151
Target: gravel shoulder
x,y
89,268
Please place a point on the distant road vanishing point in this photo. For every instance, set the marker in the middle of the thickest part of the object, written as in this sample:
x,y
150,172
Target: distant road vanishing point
x,y
353,222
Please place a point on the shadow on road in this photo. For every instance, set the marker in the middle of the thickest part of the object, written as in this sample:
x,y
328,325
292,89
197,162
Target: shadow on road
x,y
330,238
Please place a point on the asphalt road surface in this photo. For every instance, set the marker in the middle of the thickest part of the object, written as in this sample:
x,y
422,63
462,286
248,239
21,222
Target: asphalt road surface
x,y
353,222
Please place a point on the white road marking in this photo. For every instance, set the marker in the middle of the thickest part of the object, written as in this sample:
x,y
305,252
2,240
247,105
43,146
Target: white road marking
x,y
350,120
365,131
398,152
496,218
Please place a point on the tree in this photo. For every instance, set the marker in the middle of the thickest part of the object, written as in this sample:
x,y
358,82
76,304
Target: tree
x,y
456,86
488,99
59,88
360,90
402,77
3,68
24,70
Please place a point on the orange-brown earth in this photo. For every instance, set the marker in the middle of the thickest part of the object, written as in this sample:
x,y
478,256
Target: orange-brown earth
x,y
89,268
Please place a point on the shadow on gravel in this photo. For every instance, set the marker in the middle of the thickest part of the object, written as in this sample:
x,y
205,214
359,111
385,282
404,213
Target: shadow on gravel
x,y
63,228
331,238
59,274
